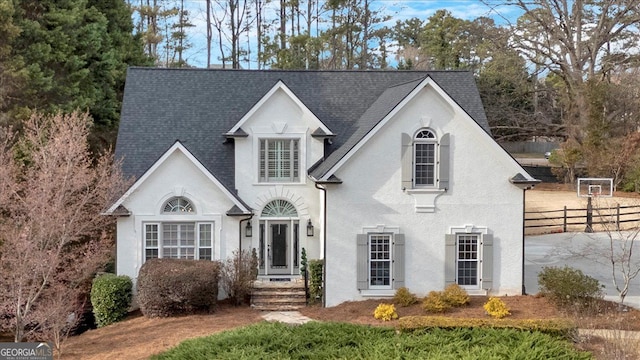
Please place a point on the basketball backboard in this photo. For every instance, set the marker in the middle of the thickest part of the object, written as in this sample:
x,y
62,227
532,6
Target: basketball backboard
x,y
595,187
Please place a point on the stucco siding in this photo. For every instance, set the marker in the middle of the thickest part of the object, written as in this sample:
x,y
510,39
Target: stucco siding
x,y
281,117
176,176
371,194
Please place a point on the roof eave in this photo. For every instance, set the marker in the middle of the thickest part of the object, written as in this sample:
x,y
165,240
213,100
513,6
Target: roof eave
x,y
523,182
237,134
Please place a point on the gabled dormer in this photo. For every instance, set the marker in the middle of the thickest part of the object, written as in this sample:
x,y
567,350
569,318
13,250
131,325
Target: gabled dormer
x,y
277,140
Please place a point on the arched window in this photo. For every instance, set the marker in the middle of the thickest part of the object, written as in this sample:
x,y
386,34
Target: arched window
x,y
279,208
424,158
178,205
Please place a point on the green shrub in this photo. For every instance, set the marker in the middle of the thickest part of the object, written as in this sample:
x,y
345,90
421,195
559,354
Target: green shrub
x,y
436,302
496,308
569,288
330,340
315,281
169,287
455,295
385,312
237,275
404,297
110,298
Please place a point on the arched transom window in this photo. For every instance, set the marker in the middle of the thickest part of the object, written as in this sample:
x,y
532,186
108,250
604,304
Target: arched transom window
x,y
425,158
279,208
177,205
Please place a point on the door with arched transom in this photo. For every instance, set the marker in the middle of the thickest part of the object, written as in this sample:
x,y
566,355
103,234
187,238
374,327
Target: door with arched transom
x,y
279,239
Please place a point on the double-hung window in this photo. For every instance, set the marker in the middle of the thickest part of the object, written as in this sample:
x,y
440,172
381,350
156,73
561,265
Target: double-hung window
x,y
178,237
424,151
178,240
425,161
469,258
279,160
380,261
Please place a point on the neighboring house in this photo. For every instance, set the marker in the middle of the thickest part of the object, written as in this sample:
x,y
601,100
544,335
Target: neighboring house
x,y
391,176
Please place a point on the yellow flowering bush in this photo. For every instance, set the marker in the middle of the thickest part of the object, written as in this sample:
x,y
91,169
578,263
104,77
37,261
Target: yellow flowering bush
x,y
496,308
385,312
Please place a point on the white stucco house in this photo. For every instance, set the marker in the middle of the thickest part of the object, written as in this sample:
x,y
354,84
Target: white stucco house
x,y
391,177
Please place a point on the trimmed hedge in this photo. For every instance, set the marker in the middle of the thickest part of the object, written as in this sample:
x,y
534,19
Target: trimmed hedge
x,y
556,327
110,298
168,287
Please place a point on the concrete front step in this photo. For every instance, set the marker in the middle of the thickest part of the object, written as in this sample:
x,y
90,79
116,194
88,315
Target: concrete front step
x,y
282,300
278,295
280,307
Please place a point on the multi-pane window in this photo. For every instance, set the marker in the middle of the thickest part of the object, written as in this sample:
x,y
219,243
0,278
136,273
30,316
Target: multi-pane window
x,y
151,241
279,160
467,259
205,241
424,158
177,204
380,260
183,240
178,241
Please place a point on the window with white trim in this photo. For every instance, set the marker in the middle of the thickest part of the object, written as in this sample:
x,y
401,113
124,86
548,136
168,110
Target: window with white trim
x,y
279,160
177,205
175,238
424,158
379,260
425,161
179,240
468,259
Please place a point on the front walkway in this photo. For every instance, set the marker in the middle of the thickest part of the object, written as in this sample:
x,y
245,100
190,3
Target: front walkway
x,y
287,317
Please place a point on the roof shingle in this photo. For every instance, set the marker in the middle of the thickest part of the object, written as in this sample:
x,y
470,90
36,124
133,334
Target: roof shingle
x,y
198,107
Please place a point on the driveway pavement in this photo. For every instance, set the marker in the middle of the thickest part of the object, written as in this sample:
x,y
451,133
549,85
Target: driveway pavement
x,y
587,252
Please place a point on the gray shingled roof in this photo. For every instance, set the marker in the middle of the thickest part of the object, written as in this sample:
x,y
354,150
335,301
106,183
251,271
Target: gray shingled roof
x,y
199,106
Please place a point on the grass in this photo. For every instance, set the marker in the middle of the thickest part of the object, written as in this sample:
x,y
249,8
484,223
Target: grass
x,y
317,340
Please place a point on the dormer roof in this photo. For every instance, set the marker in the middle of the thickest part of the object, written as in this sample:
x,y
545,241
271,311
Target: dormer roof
x,y
201,108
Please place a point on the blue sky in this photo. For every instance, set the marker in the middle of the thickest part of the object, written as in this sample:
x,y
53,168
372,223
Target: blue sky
x,y
399,10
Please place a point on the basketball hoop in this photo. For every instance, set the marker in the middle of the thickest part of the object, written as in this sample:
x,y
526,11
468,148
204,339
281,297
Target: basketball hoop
x,y
593,188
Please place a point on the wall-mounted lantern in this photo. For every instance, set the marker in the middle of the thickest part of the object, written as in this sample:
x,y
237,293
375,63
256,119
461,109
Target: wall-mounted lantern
x,y
309,228
248,231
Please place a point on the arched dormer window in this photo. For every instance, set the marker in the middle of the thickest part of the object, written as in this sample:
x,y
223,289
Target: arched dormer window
x,y
177,205
424,158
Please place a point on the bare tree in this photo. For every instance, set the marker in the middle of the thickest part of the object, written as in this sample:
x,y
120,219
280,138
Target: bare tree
x,y
574,40
624,267
232,19
52,235
619,254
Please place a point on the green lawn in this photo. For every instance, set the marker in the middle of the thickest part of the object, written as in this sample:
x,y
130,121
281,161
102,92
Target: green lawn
x,y
317,340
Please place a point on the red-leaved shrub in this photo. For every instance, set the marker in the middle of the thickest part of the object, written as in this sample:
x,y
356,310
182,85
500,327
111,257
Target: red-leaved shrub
x,y
169,287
